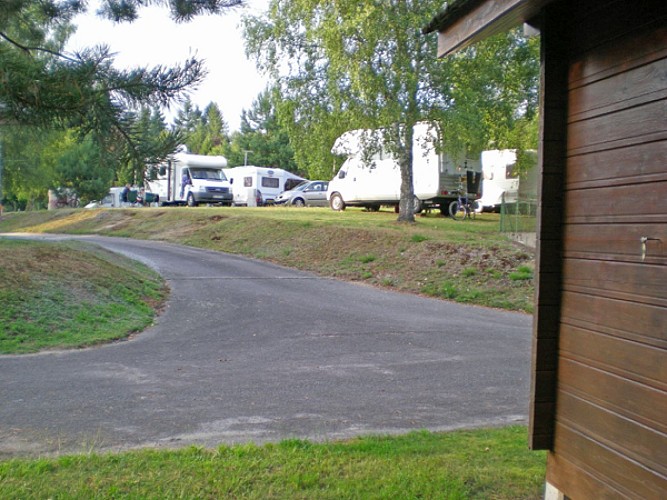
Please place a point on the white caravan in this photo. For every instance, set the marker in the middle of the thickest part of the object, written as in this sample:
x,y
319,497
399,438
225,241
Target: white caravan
x,y
259,185
192,179
371,177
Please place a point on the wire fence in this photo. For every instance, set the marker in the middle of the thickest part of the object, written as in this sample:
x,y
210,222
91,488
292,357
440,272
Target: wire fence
x,y
519,215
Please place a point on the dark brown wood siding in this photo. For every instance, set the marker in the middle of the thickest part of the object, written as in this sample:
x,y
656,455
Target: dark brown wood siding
x,y
610,436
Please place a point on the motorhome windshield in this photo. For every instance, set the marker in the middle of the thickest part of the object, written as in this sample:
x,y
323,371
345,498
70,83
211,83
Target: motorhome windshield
x,y
215,174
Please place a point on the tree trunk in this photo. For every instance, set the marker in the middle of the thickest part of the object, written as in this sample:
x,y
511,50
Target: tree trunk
x,y
406,209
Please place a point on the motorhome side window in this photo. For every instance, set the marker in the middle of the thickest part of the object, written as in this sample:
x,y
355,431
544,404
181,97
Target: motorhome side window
x,y
247,182
270,182
511,172
152,173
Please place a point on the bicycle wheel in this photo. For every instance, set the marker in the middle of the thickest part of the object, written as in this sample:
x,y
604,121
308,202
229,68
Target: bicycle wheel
x,y
457,211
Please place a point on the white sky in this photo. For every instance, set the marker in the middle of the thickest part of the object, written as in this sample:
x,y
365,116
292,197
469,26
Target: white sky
x,y
232,81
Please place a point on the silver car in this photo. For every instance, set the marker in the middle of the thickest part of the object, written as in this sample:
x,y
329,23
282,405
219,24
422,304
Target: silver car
x,y
306,194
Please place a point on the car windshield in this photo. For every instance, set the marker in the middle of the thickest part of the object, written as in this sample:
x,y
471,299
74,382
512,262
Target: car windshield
x,y
215,174
301,187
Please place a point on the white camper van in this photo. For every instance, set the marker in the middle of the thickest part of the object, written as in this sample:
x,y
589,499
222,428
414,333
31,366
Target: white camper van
x,y
190,179
259,185
371,177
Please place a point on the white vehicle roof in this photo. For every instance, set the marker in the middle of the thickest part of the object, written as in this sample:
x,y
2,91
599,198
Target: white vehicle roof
x,y
201,160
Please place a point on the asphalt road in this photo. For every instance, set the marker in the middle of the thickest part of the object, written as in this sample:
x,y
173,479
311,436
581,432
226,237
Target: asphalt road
x,y
249,351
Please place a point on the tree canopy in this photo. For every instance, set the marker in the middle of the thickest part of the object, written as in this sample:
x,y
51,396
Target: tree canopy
x,y
42,86
263,137
348,64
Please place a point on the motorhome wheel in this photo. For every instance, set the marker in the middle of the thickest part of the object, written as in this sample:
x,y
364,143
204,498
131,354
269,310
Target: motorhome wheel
x,y
191,200
337,202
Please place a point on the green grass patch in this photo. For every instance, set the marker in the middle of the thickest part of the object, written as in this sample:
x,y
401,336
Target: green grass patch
x,y
65,295
468,272
489,463
436,249
418,238
522,273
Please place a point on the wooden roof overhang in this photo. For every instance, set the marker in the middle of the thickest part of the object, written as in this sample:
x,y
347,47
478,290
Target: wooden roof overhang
x,y
465,22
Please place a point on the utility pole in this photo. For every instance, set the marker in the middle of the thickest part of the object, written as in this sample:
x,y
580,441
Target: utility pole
x,y
245,156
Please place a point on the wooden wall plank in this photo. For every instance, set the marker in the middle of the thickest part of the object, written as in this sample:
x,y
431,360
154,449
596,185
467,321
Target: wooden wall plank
x,y
618,166
602,468
637,125
636,49
642,202
631,320
636,361
624,90
569,477
643,283
643,404
622,435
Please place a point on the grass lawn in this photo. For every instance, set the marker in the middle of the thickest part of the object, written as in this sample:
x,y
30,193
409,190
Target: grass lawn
x,y
464,261
484,464
57,295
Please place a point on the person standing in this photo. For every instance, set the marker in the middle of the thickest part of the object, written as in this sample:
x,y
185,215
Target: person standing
x,y
185,181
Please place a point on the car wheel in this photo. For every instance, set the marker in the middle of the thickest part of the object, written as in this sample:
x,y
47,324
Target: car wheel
x,y
299,202
337,202
191,200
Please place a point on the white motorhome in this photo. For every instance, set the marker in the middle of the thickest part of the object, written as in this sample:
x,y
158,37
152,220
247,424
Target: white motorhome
x,y
503,181
259,185
499,179
371,176
190,179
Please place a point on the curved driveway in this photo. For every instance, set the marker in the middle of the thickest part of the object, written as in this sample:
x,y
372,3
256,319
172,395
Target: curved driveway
x,y
249,351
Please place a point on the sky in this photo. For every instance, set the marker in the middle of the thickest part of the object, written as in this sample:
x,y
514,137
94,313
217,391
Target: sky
x,y
232,81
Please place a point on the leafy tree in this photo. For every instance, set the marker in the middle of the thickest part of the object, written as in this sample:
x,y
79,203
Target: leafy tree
x,y
188,118
148,128
263,136
44,87
348,64
204,132
81,167
27,172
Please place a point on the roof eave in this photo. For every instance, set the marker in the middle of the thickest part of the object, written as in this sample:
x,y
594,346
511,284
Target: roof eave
x,y
468,21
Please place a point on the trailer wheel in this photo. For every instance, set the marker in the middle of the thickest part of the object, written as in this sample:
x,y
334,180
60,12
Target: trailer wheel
x,y
191,200
336,202
417,206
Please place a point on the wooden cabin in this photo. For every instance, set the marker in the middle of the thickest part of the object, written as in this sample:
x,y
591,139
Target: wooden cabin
x,y
599,377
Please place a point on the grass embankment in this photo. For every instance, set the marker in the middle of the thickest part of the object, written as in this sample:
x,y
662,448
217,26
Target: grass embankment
x,y
56,295
463,261
468,464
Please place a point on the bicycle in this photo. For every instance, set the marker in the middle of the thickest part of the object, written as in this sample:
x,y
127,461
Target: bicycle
x,y
462,208
67,202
